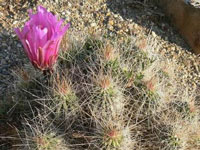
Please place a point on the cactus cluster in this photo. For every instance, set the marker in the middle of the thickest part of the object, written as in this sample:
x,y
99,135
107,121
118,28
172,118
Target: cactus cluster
x,y
105,94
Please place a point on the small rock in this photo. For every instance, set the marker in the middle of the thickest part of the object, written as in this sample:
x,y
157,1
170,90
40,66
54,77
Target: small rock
x,y
69,4
110,27
108,14
69,13
3,62
115,15
136,26
111,22
154,34
173,48
130,26
19,45
93,24
119,26
15,22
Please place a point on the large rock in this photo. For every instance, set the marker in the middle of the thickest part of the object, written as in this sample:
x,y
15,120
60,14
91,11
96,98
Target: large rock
x,y
195,3
186,18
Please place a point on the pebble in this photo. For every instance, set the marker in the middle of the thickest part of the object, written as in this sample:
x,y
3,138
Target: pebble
x,y
154,34
93,24
173,48
15,22
69,4
136,26
3,61
3,44
69,13
111,22
19,45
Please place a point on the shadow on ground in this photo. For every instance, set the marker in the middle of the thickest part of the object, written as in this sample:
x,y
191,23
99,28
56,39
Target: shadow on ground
x,y
11,57
149,17
11,51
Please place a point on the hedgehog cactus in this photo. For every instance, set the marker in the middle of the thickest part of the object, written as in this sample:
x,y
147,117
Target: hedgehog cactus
x,y
109,95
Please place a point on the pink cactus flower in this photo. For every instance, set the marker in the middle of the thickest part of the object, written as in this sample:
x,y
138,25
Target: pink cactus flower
x,y
41,37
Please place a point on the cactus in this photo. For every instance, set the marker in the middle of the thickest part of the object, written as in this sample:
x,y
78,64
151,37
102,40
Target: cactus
x,y
107,94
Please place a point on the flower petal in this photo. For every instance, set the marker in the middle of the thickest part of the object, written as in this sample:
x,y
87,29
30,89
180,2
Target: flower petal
x,y
41,37
40,56
65,28
41,9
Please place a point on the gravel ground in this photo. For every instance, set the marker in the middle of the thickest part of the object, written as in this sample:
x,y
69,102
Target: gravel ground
x,y
123,18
